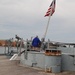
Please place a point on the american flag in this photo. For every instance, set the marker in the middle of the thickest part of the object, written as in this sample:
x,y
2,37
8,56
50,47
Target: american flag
x,y
51,9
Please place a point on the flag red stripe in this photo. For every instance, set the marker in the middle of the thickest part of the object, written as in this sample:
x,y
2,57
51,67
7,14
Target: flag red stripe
x,y
51,9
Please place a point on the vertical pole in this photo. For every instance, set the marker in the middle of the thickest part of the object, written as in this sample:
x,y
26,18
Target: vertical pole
x,y
47,24
20,46
5,47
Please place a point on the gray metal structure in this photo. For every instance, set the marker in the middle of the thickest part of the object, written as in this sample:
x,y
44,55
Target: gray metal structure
x,y
52,57
68,58
53,63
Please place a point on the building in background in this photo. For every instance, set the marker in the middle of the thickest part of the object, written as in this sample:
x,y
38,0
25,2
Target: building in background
x,y
3,43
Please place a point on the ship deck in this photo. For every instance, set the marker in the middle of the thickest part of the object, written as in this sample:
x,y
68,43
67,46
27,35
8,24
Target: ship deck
x,y
8,67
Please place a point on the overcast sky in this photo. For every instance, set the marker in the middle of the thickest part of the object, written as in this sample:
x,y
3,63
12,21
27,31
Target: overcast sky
x,y
26,19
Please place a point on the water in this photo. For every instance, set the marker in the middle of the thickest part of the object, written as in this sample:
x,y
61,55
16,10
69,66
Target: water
x,y
4,51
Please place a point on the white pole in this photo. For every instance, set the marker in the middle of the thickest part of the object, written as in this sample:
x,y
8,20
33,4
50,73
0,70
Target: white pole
x,y
48,24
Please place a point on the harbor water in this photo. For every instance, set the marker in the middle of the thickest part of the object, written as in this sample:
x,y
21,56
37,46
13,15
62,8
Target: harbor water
x,y
4,50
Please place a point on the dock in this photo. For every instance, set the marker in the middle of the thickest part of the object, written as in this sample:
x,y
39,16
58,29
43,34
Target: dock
x,y
8,67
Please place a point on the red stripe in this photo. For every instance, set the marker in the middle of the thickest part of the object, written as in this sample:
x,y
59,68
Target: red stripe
x,y
52,7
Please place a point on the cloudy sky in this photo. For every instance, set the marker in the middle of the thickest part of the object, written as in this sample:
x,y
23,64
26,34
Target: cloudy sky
x,y
26,19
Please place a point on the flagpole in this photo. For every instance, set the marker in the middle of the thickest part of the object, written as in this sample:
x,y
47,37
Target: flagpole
x,y
49,13
47,25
